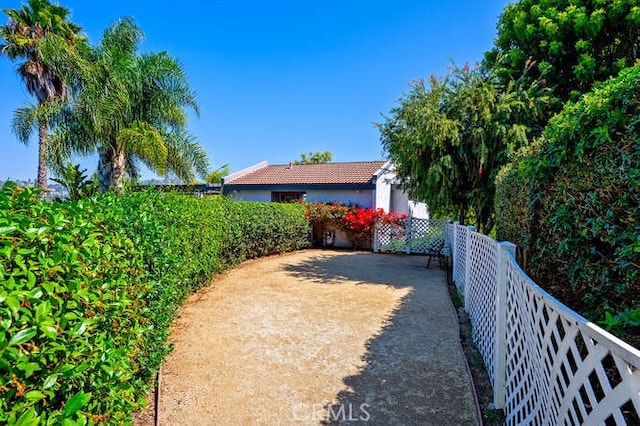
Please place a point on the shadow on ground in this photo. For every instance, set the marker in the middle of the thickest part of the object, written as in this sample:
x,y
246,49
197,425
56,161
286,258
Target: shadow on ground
x,y
414,371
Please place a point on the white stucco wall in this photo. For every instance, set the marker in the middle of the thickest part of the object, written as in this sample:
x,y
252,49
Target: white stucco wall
x,y
383,193
386,196
340,239
401,203
418,210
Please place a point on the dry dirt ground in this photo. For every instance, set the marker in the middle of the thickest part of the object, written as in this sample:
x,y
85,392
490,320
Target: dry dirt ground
x,y
318,337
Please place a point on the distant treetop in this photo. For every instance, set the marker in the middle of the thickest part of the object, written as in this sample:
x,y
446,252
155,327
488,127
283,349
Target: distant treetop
x,y
314,158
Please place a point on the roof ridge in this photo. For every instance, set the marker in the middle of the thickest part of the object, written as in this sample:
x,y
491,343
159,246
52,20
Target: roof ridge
x,y
330,162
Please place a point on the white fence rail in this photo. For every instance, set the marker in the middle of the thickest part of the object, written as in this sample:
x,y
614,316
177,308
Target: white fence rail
x,y
547,364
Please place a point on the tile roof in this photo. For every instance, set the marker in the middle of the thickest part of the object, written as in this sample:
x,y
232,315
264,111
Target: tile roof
x,y
311,174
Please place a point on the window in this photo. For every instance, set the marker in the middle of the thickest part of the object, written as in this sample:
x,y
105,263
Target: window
x,y
287,197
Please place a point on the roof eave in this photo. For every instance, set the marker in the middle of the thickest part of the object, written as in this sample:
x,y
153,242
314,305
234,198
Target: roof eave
x,y
298,187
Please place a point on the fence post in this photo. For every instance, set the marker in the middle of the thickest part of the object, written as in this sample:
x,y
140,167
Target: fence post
x,y
454,256
500,353
375,236
454,247
467,268
407,236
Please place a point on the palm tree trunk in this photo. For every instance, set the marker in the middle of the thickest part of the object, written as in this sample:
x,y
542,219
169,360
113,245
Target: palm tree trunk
x,y
111,169
42,158
105,170
119,163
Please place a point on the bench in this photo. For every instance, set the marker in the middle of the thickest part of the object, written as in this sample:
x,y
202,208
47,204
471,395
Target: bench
x,y
434,249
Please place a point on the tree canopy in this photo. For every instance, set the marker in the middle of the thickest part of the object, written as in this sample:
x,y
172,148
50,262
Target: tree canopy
x,y
449,139
573,43
580,209
131,110
317,157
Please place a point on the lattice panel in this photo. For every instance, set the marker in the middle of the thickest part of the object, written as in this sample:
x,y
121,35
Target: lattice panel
x,y
423,234
480,296
561,369
392,237
460,257
411,235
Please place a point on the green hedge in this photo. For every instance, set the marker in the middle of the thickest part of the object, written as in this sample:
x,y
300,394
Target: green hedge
x,y
574,202
89,290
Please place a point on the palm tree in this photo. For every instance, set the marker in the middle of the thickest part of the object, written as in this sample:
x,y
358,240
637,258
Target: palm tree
x,y
37,33
132,110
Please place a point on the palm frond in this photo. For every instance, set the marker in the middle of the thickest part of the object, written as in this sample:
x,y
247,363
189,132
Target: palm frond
x,y
122,37
24,122
185,155
147,144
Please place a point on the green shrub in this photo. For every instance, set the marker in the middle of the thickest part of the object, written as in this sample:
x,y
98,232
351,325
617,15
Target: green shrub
x,y
69,324
581,213
89,290
513,205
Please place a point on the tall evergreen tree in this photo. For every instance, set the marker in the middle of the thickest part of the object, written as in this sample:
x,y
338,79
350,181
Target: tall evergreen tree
x,y
449,139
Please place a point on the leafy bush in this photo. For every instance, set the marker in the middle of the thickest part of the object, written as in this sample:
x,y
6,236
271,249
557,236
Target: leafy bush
x,y
513,204
581,213
69,301
89,290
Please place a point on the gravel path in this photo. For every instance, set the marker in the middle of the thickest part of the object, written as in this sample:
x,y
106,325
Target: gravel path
x,y
319,337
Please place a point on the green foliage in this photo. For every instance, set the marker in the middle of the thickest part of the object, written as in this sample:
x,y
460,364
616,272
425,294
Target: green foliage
x,y
621,321
580,210
317,157
216,176
573,43
75,181
449,140
68,281
513,204
132,110
89,290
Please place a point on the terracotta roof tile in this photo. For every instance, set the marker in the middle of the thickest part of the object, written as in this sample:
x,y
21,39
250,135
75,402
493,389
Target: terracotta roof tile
x,y
311,174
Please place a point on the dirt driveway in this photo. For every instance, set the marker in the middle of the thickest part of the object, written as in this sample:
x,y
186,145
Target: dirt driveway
x,y
319,336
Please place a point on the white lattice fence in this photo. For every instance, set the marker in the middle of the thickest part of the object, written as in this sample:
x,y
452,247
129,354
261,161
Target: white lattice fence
x,y
411,235
480,295
459,254
562,369
548,364
391,237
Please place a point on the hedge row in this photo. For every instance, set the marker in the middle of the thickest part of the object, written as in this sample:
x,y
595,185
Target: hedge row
x,y
89,290
574,203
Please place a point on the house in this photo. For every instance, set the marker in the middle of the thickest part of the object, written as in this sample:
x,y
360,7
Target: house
x,y
368,184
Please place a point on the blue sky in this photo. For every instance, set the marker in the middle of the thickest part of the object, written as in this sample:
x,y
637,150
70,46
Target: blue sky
x,y
275,79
